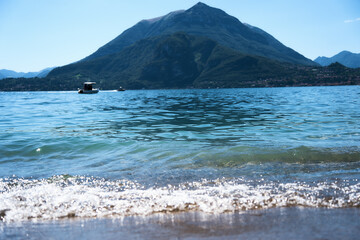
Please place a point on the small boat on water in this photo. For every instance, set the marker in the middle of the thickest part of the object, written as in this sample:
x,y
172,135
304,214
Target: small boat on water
x,y
120,89
88,88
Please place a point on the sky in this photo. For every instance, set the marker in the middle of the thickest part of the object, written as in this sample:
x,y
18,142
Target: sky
x,y
36,34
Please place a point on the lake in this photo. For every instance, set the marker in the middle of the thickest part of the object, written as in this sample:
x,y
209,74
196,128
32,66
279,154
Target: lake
x,y
220,163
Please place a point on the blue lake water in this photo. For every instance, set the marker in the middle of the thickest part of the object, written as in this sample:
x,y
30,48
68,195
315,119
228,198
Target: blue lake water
x,y
65,155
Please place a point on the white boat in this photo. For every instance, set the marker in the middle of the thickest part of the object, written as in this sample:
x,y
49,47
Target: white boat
x,y
88,88
120,89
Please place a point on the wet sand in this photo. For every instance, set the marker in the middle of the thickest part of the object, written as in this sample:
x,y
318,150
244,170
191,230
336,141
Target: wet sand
x,y
276,223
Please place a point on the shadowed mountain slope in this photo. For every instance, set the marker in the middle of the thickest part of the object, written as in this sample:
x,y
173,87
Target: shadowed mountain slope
x,y
171,61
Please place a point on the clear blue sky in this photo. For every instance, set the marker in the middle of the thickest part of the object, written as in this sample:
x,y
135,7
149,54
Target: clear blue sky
x,y
35,34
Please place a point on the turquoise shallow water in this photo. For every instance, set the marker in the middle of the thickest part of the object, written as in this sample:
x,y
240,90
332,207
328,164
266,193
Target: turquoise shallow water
x,y
143,152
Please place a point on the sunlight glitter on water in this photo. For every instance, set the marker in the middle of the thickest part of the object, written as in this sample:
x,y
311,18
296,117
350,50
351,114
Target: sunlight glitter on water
x,y
67,197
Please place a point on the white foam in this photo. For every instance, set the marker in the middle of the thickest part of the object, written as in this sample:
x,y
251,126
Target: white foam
x,y
62,197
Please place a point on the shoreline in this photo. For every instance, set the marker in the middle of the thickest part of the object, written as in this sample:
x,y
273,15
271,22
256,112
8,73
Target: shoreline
x,y
191,88
275,223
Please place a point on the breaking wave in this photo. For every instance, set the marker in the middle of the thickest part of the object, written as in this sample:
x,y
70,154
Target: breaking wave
x,y
67,196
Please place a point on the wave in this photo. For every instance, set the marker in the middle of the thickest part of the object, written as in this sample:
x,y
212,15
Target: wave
x,y
67,196
240,155
173,153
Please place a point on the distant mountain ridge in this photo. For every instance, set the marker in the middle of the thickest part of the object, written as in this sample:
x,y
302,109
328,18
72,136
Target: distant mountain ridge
x,y
181,60
346,58
4,73
213,23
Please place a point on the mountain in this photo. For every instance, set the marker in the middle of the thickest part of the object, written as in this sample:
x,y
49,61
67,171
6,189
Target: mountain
x,y
183,61
4,73
346,58
216,51
213,23
178,60
11,74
